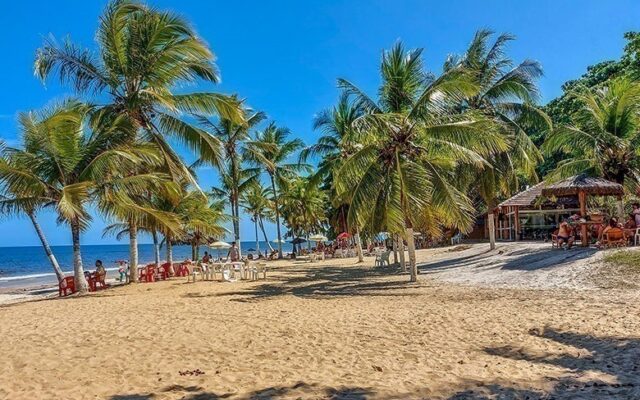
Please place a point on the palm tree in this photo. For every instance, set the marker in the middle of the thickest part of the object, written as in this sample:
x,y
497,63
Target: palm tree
x,y
75,166
141,213
413,139
603,136
255,201
303,206
24,199
271,150
143,54
507,95
235,178
335,146
202,221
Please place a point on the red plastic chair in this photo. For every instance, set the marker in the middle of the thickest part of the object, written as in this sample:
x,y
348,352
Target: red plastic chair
x,y
92,283
164,272
183,269
148,274
67,284
100,279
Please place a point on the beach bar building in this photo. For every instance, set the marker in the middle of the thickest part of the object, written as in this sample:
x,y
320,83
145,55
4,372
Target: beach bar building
x,y
529,216
535,213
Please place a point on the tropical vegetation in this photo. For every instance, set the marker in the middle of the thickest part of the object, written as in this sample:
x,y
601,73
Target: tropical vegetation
x,y
425,154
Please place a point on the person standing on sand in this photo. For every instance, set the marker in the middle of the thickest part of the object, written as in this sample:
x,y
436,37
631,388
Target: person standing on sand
x,y
233,254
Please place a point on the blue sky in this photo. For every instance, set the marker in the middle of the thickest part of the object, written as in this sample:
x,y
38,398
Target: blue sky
x,y
284,56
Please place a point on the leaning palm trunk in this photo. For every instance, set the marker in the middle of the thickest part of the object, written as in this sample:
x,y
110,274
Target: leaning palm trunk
x,y
255,222
156,248
359,246
78,272
264,234
413,267
47,249
275,204
133,252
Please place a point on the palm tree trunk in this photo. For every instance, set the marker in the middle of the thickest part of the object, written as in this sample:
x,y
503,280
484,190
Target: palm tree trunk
x,y
492,231
264,234
359,246
236,225
156,248
167,240
255,222
235,202
78,273
394,243
491,223
403,264
133,251
413,267
45,246
277,209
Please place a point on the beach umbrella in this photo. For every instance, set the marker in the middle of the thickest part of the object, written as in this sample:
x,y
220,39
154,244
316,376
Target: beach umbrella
x,y
219,245
344,235
318,238
298,241
278,241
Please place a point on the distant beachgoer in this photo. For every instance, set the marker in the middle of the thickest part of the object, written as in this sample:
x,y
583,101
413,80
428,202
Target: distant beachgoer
x,y
122,270
234,254
206,258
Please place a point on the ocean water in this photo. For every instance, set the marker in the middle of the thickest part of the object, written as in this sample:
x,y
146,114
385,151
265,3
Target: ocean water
x,y
22,266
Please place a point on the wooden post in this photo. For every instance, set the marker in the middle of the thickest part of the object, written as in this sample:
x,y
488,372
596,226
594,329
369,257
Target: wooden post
x,y
582,199
517,222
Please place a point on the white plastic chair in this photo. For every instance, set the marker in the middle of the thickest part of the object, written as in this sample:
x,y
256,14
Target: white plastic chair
x,y
383,259
636,237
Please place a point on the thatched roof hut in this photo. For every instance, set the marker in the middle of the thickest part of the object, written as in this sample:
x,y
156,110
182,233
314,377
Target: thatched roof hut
x,y
585,184
582,186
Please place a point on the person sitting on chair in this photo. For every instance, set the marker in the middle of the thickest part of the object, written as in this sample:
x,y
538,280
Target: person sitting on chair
x,y
100,268
631,222
234,254
565,234
206,258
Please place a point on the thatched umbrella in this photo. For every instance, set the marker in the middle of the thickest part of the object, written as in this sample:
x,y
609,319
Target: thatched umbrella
x,y
581,186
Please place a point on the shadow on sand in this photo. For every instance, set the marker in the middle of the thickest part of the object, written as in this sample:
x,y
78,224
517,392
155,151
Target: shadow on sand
x,y
526,259
299,390
615,357
323,282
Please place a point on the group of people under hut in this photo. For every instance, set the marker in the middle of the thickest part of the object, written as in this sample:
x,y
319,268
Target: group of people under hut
x,y
568,229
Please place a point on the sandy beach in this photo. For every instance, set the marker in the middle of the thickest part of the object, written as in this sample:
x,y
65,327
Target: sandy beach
x,y
329,330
